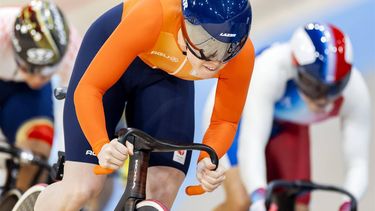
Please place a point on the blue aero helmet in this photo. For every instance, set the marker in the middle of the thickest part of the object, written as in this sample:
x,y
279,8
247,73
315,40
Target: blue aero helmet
x,y
323,56
216,30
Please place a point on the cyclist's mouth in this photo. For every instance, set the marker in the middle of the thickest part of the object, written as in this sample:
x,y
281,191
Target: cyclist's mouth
x,y
210,68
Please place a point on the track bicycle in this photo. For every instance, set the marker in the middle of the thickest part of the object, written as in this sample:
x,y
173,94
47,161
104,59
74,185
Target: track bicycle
x,y
288,191
13,158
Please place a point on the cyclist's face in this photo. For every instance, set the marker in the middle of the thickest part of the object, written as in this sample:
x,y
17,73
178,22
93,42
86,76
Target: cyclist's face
x,y
317,105
35,81
202,68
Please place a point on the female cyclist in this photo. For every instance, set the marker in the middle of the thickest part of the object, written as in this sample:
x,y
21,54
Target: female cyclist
x,y
146,53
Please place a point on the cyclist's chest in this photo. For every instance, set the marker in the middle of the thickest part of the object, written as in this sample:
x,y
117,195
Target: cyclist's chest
x,y
292,108
167,56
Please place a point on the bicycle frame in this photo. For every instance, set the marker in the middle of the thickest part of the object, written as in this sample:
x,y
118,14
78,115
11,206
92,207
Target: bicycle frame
x,y
136,183
295,188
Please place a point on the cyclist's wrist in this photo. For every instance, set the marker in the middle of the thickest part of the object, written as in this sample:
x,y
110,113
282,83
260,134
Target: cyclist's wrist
x,y
97,147
202,156
258,194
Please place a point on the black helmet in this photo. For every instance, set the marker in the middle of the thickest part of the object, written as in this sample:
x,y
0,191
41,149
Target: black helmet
x,y
41,36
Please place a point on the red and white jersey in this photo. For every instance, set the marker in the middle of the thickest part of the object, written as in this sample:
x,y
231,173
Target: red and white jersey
x,y
8,67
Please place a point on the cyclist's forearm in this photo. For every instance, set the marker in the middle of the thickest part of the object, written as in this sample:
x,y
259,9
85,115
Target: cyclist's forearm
x,y
356,149
219,136
231,93
256,126
356,143
356,133
252,167
357,179
251,153
88,102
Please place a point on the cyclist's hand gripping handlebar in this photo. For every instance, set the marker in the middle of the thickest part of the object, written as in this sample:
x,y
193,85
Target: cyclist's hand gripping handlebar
x,y
198,189
143,141
103,171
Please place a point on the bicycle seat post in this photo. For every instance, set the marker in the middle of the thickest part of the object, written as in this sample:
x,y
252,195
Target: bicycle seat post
x,y
136,182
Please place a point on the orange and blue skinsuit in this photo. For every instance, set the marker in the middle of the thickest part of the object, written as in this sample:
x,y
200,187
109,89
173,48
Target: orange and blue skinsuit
x,y
130,54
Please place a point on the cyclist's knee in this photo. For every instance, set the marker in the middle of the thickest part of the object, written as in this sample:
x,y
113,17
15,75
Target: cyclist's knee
x,y
244,204
80,196
240,202
230,205
237,197
81,193
234,201
162,188
164,180
163,184
36,135
79,183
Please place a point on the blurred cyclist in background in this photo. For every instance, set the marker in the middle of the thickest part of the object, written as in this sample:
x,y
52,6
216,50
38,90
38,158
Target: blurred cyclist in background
x,y
296,84
36,43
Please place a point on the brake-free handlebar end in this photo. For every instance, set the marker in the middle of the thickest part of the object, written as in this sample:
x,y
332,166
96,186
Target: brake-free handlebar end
x,y
98,170
194,190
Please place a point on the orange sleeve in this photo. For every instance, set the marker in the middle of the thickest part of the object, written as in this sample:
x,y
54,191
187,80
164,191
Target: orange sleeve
x,y
137,32
230,98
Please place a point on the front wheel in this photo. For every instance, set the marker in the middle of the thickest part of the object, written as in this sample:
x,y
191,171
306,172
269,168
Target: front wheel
x,y
151,205
9,199
28,199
